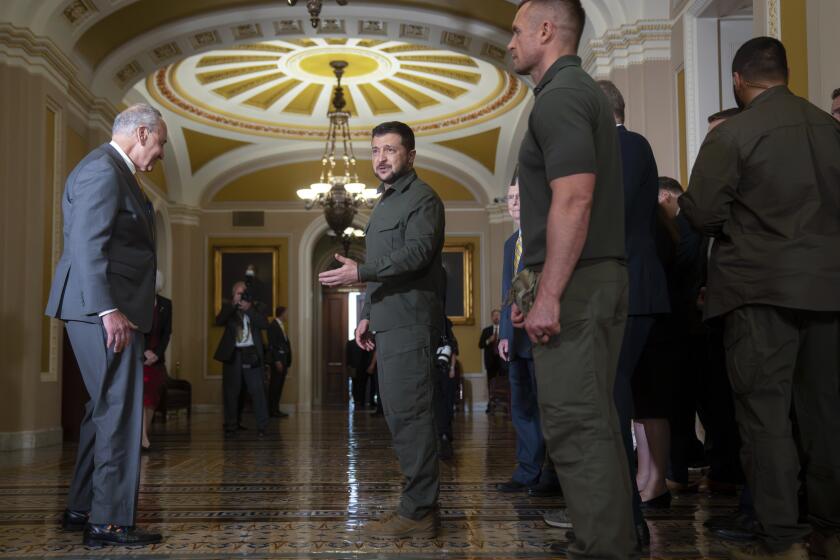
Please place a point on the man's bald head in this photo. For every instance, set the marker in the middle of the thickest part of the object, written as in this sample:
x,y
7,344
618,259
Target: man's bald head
x,y
567,16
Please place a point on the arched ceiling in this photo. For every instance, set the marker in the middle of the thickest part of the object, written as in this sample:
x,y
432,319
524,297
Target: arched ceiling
x,y
245,85
285,88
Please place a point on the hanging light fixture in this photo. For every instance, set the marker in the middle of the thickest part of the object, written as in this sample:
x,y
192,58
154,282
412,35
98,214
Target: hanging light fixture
x,y
338,190
314,8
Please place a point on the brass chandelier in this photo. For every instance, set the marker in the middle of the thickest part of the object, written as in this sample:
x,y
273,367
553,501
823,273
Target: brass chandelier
x,y
338,190
314,8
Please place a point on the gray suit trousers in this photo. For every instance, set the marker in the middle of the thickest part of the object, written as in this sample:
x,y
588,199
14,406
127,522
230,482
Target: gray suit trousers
x,y
107,473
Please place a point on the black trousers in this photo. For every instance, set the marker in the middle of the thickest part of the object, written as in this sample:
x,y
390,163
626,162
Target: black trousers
x,y
444,402
777,357
636,333
234,374
704,390
275,387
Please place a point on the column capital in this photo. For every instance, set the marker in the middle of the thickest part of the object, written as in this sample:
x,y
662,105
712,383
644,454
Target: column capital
x,y
184,214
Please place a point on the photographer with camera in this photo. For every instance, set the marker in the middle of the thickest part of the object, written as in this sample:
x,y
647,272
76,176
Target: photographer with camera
x,y
445,359
241,353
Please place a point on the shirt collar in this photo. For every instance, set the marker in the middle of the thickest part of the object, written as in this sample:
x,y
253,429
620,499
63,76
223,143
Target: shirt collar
x,y
401,184
769,93
126,159
559,64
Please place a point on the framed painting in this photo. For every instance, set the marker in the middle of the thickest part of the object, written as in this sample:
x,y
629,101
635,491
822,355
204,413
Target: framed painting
x,y
231,265
457,262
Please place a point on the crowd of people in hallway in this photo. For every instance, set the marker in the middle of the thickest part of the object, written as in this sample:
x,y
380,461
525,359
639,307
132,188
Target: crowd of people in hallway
x,y
630,307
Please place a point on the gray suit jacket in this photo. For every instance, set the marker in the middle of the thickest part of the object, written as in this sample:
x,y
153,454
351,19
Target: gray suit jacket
x,y
109,246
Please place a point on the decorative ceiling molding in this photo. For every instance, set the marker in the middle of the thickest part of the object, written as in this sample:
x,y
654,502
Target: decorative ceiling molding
x,y
637,43
203,148
480,147
276,87
40,53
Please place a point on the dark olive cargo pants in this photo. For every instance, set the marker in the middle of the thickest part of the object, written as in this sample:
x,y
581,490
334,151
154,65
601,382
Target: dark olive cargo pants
x,y
576,373
404,358
774,356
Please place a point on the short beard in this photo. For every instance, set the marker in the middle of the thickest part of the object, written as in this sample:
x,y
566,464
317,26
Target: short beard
x,y
396,175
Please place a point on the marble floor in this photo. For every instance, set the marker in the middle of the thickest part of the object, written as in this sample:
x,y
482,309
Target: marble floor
x,y
304,491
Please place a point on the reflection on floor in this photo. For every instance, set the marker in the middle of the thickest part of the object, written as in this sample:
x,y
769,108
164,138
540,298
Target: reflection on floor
x,y
305,490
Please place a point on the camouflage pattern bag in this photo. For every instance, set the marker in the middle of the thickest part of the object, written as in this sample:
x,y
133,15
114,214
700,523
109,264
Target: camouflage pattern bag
x,y
523,290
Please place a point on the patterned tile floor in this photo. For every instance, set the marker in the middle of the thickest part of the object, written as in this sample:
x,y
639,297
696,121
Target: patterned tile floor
x,y
304,491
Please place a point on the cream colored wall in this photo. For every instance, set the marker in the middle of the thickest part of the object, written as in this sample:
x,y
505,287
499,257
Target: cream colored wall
x,y
649,96
823,48
30,414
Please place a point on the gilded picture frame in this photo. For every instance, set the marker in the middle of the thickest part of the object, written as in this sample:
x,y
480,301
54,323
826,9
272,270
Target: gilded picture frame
x,y
458,264
229,266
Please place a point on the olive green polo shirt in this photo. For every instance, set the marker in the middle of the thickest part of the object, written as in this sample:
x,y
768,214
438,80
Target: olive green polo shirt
x,y
766,185
403,267
571,130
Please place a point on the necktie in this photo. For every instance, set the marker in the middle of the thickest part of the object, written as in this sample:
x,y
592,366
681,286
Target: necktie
x,y
517,253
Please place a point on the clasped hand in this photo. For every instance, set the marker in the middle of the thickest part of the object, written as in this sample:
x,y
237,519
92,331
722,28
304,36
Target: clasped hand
x,y
542,322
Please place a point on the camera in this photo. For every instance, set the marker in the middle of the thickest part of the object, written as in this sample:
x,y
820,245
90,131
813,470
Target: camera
x,y
246,295
443,355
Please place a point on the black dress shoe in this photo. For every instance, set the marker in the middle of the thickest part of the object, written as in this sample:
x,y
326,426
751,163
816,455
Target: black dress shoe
x,y
511,486
738,526
99,535
74,520
545,490
662,501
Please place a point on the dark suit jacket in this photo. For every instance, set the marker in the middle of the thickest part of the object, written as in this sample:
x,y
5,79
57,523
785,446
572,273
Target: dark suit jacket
x,y
648,287
164,326
492,362
519,345
279,347
227,319
109,244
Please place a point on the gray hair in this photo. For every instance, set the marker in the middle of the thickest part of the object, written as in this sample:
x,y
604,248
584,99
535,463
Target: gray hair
x,y
141,114
615,98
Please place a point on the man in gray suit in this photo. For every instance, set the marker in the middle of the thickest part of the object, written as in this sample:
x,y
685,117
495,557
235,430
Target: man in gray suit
x,y
104,289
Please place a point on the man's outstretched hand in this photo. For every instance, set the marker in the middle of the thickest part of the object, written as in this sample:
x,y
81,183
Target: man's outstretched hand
x,y
348,273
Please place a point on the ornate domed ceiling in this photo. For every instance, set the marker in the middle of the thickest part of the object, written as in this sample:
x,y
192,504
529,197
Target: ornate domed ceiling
x,y
284,87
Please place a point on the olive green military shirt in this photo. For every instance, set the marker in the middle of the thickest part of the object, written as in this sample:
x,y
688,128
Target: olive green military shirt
x,y
571,130
766,185
403,268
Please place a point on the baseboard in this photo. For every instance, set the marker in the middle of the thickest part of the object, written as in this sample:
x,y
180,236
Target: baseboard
x,y
30,439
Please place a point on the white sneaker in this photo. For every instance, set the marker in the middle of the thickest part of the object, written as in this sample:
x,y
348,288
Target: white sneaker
x,y
557,518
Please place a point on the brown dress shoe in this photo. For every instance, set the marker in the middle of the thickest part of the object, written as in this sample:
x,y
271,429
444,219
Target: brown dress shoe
x,y
759,552
825,545
395,526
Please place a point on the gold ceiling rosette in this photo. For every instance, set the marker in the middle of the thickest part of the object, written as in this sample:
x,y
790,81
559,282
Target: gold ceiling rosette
x,y
283,88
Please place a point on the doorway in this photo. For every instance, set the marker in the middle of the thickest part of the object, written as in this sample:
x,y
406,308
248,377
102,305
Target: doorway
x,y
341,308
